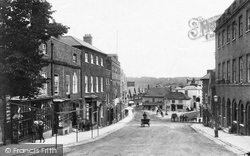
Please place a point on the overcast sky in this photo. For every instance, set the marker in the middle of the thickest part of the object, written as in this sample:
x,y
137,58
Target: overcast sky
x,y
149,36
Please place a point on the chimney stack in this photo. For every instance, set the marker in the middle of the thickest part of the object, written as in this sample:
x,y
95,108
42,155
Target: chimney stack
x,y
88,38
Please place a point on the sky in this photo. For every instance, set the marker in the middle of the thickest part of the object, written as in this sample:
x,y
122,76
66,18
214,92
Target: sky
x,y
149,36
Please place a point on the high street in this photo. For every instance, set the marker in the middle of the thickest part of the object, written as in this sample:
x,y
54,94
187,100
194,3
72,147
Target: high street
x,y
163,137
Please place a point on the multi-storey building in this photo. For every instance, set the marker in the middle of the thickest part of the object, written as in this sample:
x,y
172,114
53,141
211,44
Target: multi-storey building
x,y
233,67
64,72
208,91
93,79
113,65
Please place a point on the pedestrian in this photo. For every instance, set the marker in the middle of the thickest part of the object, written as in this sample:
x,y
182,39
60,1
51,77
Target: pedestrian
x,y
161,113
34,129
144,115
40,131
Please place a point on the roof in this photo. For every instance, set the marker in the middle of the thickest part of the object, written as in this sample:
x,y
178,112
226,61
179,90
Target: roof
x,y
161,92
177,96
77,42
206,77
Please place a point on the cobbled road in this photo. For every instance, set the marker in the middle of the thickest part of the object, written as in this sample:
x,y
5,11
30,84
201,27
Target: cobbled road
x,y
162,138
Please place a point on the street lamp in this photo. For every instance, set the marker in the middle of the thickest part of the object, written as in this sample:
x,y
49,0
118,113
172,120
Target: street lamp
x,y
215,116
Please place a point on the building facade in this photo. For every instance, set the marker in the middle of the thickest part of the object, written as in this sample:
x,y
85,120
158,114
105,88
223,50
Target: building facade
x,y
208,92
233,67
93,79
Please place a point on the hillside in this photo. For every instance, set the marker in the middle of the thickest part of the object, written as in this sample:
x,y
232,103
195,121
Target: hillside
x,y
143,82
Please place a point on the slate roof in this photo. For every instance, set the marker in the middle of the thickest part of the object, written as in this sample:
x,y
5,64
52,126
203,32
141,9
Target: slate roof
x,y
177,96
156,92
77,42
206,77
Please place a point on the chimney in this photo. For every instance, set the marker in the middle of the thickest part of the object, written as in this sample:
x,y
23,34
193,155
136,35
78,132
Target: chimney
x,y
88,38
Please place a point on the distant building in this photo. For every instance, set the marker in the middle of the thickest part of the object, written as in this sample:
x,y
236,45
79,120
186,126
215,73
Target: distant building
x,y
177,101
155,97
195,93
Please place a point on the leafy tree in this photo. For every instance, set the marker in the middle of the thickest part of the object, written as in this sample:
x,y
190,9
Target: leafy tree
x,y
24,26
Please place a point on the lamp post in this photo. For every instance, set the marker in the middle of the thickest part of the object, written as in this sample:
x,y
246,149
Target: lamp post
x,y
215,116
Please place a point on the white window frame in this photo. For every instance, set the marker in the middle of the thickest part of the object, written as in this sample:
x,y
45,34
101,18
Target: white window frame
x,y
56,83
86,84
101,61
248,20
86,57
75,58
75,82
97,84
97,60
102,84
67,84
92,59
91,84
43,90
43,48
248,67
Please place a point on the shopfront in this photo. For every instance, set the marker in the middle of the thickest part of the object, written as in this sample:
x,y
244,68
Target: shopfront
x,y
24,113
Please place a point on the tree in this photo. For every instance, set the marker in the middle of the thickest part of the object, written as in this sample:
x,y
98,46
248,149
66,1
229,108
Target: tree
x,y
24,26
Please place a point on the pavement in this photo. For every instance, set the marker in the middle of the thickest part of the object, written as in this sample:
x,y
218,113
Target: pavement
x,y
240,145
72,139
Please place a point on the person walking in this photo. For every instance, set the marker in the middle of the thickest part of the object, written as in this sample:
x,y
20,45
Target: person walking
x,y
144,115
40,131
34,129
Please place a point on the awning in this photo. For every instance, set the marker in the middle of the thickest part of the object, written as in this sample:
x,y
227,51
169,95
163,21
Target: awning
x,y
152,104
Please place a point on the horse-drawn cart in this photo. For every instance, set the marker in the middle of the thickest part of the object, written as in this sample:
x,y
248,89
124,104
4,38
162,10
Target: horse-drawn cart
x,y
144,122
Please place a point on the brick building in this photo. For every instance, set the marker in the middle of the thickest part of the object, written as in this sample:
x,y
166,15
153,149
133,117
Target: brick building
x,y
208,91
233,67
117,106
93,79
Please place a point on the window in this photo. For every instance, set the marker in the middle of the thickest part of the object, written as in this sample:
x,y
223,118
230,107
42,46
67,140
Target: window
x,y
219,71
223,38
43,90
74,83
67,84
234,30
97,60
74,58
248,20
102,84
223,71
43,48
97,87
228,34
234,71
228,71
240,26
248,67
91,84
92,58
86,84
101,61
56,82
86,57
107,81
240,69
219,36
179,106
180,101
173,101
